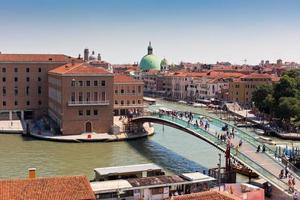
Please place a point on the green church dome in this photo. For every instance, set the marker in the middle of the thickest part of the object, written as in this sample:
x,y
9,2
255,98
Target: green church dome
x,y
150,61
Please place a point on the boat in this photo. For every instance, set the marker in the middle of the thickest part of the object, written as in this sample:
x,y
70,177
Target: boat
x,y
199,105
240,169
259,131
182,102
266,140
149,100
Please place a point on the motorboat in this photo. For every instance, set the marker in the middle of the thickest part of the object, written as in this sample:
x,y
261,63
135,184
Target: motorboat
x,y
182,102
259,131
199,105
266,140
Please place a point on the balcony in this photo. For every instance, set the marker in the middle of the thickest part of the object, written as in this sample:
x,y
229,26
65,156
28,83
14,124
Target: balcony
x,y
88,103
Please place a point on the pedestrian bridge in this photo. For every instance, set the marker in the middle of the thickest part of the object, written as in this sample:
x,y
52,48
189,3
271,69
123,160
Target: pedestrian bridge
x,y
264,164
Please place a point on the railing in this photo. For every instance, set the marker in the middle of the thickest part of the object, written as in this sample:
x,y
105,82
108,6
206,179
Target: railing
x,y
128,105
221,145
88,103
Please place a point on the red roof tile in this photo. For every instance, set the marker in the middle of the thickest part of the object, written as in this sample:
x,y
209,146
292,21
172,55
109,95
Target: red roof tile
x,y
54,188
34,58
78,68
125,79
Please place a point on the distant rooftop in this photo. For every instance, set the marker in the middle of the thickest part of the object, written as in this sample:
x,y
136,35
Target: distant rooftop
x,y
127,169
34,58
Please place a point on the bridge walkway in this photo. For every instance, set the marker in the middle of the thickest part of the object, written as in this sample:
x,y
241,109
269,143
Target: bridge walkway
x,y
262,163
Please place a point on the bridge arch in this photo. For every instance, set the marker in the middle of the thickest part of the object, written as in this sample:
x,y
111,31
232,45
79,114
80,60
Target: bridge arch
x,y
176,126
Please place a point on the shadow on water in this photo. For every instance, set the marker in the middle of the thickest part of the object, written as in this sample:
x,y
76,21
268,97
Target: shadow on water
x,y
164,157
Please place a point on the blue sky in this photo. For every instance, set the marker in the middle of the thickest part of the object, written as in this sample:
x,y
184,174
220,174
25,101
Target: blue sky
x,y
180,30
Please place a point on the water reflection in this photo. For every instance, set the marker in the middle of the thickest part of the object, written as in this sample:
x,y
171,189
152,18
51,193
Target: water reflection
x,y
164,157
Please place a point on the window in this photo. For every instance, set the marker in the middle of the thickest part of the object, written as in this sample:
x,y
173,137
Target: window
x,y
3,69
103,96
139,101
122,91
122,102
28,103
16,91
237,93
133,91
4,91
116,91
27,79
80,112
133,101
95,96
4,103
88,112
39,90
128,102
16,79
40,102
88,96
27,90
40,69
27,69
95,112
16,69
139,89
88,83
80,96
80,83
3,79
155,191
16,103
39,79
95,83
102,83
73,83
116,101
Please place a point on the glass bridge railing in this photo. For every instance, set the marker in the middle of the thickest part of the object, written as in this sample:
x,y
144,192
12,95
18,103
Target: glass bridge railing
x,y
222,146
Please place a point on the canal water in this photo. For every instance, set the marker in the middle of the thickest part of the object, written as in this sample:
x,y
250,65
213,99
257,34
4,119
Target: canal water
x,y
174,150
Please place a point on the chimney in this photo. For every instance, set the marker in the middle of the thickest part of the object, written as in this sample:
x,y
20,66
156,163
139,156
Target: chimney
x,y
31,173
73,62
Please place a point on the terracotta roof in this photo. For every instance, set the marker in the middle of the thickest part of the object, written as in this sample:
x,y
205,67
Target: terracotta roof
x,y
34,58
54,188
256,75
125,79
78,68
209,195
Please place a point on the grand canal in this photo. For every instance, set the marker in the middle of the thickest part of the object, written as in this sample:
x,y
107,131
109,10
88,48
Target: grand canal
x,y
172,149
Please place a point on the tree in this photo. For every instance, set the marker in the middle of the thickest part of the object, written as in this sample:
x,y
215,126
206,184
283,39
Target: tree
x,y
285,88
288,107
262,98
